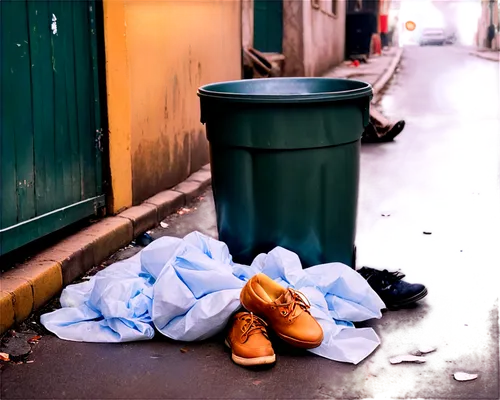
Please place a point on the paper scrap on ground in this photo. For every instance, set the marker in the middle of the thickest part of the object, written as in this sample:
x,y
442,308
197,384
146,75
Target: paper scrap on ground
x,y
464,376
427,349
188,288
407,358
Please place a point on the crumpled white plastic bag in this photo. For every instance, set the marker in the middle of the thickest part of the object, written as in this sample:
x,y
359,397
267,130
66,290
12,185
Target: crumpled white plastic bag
x,y
188,288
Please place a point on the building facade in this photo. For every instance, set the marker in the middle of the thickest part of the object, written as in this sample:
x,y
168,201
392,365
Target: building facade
x,y
489,17
309,34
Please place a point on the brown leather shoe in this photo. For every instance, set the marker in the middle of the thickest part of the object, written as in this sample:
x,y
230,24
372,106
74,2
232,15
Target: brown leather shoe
x,y
285,310
247,338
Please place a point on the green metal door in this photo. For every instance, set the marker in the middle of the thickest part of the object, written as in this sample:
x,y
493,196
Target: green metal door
x,y
268,25
50,120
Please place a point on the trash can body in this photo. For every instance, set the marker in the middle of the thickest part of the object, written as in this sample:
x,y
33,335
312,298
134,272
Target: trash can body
x,y
284,154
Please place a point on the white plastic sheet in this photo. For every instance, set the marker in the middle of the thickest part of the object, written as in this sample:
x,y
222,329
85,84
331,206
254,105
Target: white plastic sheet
x,y
188,288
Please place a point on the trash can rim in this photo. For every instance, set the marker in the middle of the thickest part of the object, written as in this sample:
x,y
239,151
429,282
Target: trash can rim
x,y
364,89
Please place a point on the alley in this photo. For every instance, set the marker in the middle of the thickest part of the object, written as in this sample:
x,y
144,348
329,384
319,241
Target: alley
x,y
441,177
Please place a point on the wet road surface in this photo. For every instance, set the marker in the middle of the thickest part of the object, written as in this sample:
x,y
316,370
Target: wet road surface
x,y
442,175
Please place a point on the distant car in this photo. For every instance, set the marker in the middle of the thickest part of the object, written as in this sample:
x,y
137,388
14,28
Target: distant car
x,y
432,36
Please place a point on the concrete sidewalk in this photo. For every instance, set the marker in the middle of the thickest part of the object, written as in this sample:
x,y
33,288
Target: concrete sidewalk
x,y
378,70
492,55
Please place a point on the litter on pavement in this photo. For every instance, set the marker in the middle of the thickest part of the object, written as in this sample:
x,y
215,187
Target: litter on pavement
x,y
426,349
188,289
17,348
144,239
407,358
34,339
464,376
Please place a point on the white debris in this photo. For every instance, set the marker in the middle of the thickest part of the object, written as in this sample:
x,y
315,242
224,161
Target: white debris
x,y
407,358
163,224
426,349
464,376
53,26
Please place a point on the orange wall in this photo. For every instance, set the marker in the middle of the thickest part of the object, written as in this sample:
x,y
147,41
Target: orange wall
x,y
160,53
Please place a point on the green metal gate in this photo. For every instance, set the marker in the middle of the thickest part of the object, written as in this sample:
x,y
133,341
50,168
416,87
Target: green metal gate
x,y
50,126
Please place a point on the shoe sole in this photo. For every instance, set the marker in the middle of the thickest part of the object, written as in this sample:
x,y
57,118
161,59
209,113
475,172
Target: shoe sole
x,y
251,362
411,300
294,342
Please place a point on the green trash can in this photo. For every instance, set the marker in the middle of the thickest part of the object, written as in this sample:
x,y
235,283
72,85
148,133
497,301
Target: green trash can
x,y
284,154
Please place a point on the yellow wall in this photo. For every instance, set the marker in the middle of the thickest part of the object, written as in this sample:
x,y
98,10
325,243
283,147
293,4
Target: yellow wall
x,y
157,54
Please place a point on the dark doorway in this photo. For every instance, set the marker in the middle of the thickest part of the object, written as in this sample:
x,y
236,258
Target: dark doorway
x,y
268,25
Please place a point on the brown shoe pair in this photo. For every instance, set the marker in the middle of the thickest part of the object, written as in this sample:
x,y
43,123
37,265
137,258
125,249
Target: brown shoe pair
x,y
286,311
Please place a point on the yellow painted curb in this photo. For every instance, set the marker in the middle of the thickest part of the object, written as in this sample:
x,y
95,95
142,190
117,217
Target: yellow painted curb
x,y
386,77
22,296
6,311
44,278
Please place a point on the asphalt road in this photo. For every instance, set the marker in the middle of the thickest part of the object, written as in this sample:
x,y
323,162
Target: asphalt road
x,y
442,175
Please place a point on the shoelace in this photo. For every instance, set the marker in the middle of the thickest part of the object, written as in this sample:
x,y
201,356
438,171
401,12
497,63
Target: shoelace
x,y
253,323
384,278
297,299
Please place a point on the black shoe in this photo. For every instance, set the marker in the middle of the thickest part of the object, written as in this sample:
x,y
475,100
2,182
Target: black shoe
x,y
391,288
394,130
372,134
